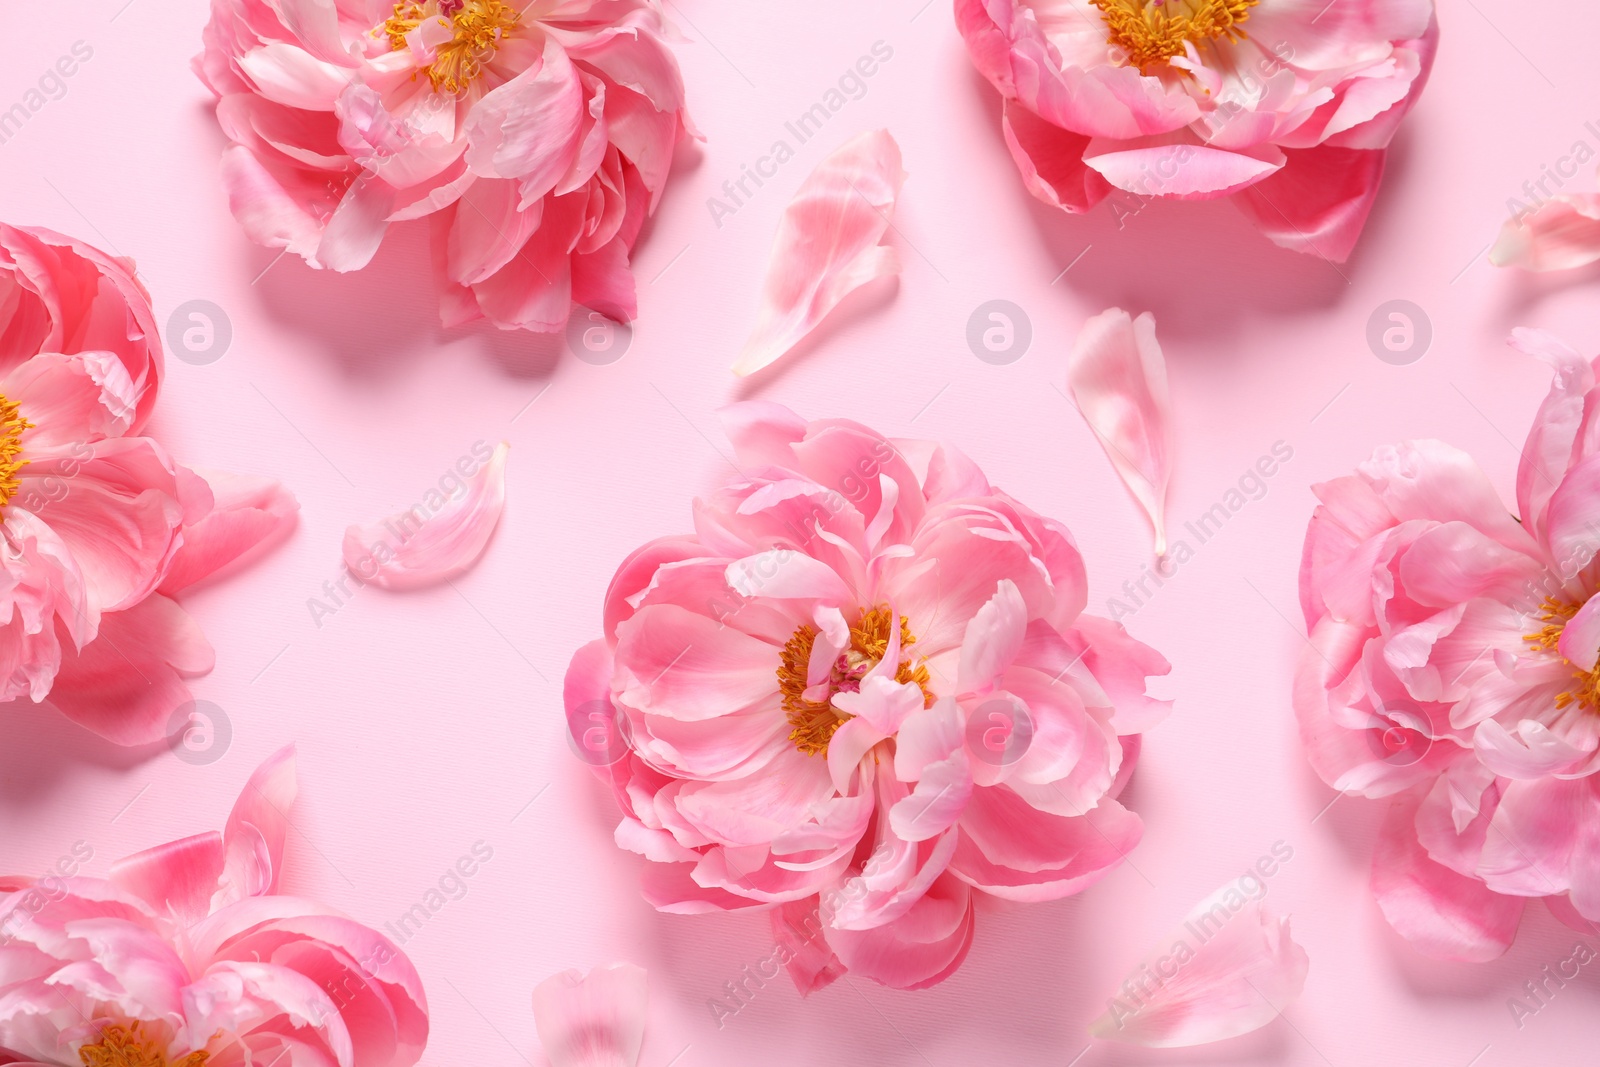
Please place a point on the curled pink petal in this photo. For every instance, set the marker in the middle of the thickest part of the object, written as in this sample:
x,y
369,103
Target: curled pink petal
x,y
413,549
827,244
257,826
1229,969
592,1020
1118,377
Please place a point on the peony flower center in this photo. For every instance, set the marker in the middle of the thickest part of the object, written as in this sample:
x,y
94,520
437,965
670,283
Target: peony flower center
x,y
1153,32
815,720
1555,614
129,1046
11,426
477,29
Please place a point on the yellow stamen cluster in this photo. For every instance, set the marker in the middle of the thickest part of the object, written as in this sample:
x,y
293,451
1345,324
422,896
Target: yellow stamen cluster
x,y
130,1046
814,722
11,426
1152,32
1555,614
479,26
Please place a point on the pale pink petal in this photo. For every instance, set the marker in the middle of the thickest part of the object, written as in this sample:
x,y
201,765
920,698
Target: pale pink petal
x,y
248,516
1552,442
256,829
827,244
592,1020
919,949
797,927
1165,166
409,550
993,638
1562,233
1444,914
1118,377
1229,969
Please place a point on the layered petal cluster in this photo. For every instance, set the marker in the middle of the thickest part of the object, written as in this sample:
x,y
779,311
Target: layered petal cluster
x,y
1288,106
1454,667
100,527
862,688
187,956
536,137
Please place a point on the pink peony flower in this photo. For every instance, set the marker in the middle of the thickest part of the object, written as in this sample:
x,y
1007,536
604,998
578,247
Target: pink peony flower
x,y
100,526
1290,104
536,136
1453,667
862,688
188,957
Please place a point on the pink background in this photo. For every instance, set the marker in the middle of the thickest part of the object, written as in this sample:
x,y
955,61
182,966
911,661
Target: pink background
x,y
428,722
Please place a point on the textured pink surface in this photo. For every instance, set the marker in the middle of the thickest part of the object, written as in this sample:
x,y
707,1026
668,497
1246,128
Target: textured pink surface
x,y
428,722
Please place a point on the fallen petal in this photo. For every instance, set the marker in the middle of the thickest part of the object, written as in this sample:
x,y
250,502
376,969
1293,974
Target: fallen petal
x,y
1562,233
592,1020
827,244
401,553
1229,969
1118,377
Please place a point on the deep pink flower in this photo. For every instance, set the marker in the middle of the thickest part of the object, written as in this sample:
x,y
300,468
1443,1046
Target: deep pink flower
x,y
100,526
862,688
535,135
1290,104
1453,667
188,957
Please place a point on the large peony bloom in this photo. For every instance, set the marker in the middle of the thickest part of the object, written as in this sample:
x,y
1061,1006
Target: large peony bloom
x,y
187,957
1290,104
100,527
1455,668
862,688
535,135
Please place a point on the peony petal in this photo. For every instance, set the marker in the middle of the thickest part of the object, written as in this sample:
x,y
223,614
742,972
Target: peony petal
x,y
256,830
1319,202
1229,969
126,684
827,244
406,551
176,879
1051,161
993,638
592,1020
1562,233
1444,914
1118,377
249,515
